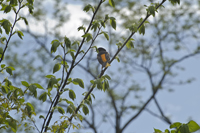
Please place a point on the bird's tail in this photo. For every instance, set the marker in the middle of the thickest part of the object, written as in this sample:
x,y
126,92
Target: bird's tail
x,y
107,64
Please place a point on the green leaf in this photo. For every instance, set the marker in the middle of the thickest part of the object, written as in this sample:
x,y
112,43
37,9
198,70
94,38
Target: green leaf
x,y
76,43
167,131
30,1
64,63
4,89
30,8
103,23
30,109
79,82
58,56
25,20
71,108
6,25
99,84
13,124
67,42
173,2
2,65
43,96
2,40
96,49
88,100
55,44
129,44
61,110
12,68
85,109
93,95
157,131
175,125
142,29
7,9
1,52
113,22
7,82
52,81
9,70
24,83
20,34
88,7
193,126
105,85
133,27
41,117
38,86
80,117
88,36
72,55
184,129
13,2
174,131
72,95
108,77
49,76
151,10
106,17
117,58
82,51
93,82
95,25
81,28
56,67
106,35
119,44
32,88
111,2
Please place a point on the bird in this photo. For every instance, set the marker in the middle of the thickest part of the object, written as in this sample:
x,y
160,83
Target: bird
x,y
103,57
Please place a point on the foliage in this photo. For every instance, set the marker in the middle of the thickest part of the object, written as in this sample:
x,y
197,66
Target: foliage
x,y
68,53
190,127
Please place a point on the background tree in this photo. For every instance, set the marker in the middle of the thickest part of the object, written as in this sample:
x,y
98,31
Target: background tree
x,y
120,107
150,57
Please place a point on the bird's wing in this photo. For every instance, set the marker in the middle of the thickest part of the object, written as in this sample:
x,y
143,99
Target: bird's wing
x,y
107,56
99,58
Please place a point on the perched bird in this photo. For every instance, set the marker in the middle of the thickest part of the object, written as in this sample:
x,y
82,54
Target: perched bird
x,y
103,57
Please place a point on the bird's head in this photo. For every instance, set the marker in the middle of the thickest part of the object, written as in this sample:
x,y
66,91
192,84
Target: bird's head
x,y
101,49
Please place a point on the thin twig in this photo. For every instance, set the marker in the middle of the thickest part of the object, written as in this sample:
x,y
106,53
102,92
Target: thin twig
x,y
11,31
161,112
35,126
154,114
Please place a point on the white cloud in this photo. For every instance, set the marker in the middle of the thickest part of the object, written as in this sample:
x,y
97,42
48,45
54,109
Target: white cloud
x,y
77,14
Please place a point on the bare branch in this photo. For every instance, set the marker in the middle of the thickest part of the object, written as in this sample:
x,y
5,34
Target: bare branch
x,y
161,112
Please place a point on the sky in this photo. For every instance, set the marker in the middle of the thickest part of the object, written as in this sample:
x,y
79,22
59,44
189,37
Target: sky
x,y
181,105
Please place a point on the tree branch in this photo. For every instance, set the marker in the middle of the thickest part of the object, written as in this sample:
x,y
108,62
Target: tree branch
x,y
11,31
161,112
138,113
68,74
154,114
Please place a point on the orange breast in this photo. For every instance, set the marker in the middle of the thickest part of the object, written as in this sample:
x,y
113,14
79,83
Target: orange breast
x,y
103,57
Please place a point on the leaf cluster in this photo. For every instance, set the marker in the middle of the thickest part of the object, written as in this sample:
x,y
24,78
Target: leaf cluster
x,y
189,127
